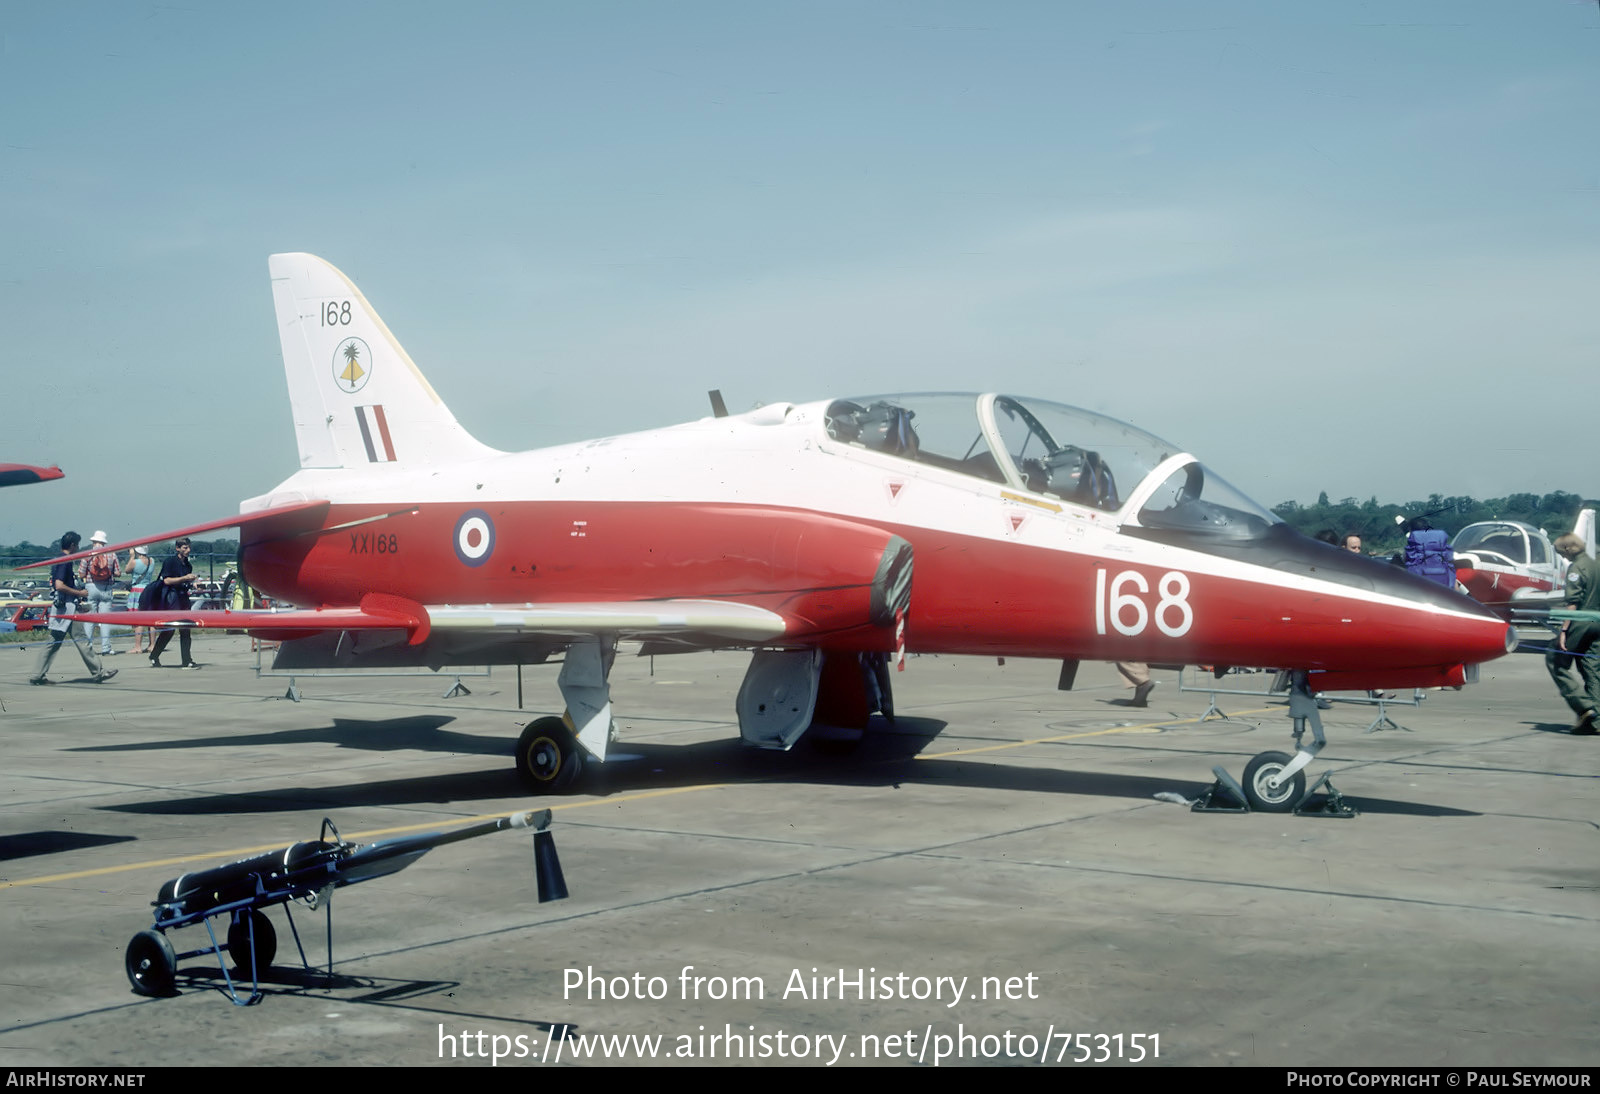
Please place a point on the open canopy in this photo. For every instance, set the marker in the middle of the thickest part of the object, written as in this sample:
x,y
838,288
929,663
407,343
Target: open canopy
x,y
1054,451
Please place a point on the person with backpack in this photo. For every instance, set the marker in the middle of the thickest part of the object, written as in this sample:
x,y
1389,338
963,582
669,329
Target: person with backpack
x,y
1428,553
100,572
177,576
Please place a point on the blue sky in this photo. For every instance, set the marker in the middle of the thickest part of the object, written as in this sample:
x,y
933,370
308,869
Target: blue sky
x,y
1348,247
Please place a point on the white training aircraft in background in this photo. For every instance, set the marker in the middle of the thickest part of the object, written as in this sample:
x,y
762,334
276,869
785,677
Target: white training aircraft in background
x,y
1509,564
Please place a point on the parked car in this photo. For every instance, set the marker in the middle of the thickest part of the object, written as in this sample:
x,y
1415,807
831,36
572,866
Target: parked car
x,y
24,616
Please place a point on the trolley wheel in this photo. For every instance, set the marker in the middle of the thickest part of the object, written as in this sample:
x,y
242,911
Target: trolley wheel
x,y
548,757
1264,797
152,966
239,943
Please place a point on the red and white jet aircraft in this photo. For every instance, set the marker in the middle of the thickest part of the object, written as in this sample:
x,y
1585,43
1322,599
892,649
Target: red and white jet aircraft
x,y
1032,530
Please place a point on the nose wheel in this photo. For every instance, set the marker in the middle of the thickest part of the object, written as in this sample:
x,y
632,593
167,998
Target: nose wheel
x,y
1267,789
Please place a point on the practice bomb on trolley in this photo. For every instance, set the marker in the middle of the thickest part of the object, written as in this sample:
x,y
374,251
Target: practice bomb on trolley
x,y
308,871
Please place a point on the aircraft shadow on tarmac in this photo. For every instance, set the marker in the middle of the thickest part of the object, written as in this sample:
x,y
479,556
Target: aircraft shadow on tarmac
x,y
421,733
28,844
886,757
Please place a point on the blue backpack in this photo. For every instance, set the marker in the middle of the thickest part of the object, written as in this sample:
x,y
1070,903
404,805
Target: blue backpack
x,y
1428,555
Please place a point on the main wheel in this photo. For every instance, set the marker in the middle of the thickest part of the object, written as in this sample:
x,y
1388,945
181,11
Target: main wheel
x,y
548,757
239,943
1263,796
152,966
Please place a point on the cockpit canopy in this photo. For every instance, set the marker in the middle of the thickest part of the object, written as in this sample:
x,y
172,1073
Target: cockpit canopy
x,y
1509,542
1055,451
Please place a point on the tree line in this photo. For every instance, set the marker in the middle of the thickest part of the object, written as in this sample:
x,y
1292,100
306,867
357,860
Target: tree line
x,y
1375,523
20,554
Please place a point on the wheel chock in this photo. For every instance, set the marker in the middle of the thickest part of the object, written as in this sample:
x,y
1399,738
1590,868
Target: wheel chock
x,y
1332,806
1223,796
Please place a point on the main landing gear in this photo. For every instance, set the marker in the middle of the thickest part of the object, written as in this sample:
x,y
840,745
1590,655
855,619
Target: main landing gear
x,y
784,694
551,753
1275,782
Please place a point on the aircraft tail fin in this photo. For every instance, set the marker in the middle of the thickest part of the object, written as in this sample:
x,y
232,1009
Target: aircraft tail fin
x,y
359,401
1583,528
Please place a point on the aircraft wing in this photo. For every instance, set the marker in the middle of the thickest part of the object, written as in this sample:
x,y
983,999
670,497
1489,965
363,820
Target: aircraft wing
x,y
696,622
733,622
20,474
307,512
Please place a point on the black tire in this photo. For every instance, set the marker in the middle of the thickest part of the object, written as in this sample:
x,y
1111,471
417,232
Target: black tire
x,y
1264,798
548,757
151,965
239,943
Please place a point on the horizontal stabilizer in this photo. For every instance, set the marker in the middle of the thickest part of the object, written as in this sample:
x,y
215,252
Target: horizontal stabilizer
x,y
308,511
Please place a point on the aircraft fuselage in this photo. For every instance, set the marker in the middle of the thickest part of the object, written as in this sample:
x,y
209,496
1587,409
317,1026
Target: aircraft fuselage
x,y
769,509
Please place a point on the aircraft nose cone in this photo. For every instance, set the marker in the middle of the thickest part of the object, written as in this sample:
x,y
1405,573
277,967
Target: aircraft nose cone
x,y
1426,623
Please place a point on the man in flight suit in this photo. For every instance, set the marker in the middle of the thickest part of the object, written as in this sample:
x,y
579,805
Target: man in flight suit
x,y
1571,660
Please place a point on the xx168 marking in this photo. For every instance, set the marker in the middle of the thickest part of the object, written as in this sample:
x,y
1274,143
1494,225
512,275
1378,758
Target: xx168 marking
x,y
336,313
1173,615
374,543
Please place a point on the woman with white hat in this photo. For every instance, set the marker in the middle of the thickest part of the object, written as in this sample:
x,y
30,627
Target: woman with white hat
x,y
141,568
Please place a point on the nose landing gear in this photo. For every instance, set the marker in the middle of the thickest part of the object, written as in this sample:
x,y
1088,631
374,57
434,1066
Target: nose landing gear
x,y
1275,782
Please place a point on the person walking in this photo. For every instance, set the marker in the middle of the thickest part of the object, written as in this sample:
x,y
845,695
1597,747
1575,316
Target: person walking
x,y
177,575
66,594
1571,661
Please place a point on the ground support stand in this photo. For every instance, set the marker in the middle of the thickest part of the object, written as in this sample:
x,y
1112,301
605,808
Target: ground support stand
x,y
1223,796
1383,721
1332,806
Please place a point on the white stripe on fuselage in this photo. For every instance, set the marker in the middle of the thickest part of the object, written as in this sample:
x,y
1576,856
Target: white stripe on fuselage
x,y
791,463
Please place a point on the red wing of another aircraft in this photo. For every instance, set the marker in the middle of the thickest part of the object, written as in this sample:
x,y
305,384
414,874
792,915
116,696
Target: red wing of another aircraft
x,y
20,474
828,538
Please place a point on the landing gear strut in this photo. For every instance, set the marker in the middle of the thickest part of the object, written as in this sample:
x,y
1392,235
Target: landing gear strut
x,y
552,752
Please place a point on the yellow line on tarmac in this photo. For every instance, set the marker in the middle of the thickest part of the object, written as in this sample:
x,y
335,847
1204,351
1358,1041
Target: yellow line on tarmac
x,y
1070,737
246,852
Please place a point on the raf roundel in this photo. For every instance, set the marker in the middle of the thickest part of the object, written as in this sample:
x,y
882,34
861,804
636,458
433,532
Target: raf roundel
x,y
352,365
474,537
